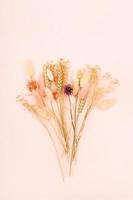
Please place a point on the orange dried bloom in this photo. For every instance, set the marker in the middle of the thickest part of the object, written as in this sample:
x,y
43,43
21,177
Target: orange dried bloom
x,y
32,85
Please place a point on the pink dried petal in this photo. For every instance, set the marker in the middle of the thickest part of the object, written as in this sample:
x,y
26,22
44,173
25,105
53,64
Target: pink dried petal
x,y
83,92
75,87
53,87
41,85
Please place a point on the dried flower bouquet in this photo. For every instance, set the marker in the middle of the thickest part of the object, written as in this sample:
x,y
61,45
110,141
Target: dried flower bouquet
x,y
62,105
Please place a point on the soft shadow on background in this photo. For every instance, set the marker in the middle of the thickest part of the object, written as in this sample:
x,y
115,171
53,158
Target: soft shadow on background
x,y
94,32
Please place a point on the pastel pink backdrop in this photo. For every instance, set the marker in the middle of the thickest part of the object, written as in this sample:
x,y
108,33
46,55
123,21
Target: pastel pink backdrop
x,y
95,32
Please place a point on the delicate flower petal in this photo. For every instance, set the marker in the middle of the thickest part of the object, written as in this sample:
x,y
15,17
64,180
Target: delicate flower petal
x,y
76,87
68,89
83,92
32,85
41,85
53,87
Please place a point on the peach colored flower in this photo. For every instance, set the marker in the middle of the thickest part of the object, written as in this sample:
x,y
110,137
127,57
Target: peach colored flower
x,y
83,92
41,85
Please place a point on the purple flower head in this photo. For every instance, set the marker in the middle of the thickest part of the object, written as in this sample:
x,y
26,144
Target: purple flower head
x,y
68,89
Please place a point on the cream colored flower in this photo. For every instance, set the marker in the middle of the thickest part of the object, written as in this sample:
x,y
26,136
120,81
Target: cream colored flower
x,y
50,75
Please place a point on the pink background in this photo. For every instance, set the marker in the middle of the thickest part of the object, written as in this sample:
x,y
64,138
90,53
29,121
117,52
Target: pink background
x,y
85,31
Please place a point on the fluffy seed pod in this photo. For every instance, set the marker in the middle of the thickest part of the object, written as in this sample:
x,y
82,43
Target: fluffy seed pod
x,y
29,69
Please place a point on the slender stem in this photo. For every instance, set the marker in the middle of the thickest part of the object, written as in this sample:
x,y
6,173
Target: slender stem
x,y
57,106
82,126
71,114
59,138
89,108
63,125
84,120
54,112
54,145
75,110
60,128
74,137
55,116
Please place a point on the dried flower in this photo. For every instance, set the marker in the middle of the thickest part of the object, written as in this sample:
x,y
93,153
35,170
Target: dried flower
x,y
55,95
45,75
41,85
76,85
64,118
68,89
32,85
83,92
81,105
62,74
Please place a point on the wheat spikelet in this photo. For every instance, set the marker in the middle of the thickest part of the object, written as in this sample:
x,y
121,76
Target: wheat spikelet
x,y
81,105
64,65
46,80
60,80
53,69
62,75
76,85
